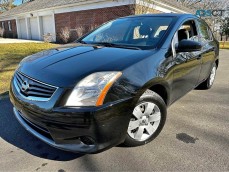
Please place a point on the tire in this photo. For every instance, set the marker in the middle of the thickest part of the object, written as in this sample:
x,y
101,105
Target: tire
x,y
147,120
208,83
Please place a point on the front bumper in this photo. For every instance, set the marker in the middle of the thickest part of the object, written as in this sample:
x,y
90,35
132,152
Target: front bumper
x,y
82,129
80,146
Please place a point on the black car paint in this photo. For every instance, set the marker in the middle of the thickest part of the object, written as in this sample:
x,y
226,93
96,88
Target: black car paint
x,y
65,69
142,69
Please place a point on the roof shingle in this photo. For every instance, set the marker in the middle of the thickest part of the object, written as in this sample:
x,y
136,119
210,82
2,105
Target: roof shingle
x,y
38,5
44,4
176,4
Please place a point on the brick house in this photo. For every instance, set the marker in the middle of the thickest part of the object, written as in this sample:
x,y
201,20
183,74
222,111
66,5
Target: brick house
x,y
34,19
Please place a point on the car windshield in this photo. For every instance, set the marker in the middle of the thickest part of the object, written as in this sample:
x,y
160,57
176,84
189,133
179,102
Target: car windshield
x,y
133,32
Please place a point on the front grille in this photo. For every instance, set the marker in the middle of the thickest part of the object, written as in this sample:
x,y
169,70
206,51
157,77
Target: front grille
x,y
33,89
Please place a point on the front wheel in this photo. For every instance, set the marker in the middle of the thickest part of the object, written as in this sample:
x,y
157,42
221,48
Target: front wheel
x,y
147,120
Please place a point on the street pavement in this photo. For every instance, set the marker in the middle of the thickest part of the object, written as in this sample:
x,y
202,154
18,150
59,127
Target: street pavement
x,y
195,138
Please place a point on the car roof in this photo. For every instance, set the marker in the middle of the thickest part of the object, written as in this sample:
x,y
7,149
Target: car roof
x,y
180,15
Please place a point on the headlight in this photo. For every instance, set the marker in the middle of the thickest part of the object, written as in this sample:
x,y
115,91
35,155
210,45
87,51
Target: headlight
x,y
91,91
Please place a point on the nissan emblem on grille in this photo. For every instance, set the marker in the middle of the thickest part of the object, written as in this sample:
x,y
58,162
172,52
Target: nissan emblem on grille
x,y
33,89
25,86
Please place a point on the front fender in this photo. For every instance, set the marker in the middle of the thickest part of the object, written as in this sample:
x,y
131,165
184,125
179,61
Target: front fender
x,y
139,77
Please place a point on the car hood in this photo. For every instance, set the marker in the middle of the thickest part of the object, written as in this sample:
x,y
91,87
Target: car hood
x,y
65,66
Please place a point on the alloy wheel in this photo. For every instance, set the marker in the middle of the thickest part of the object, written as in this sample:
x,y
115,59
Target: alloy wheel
x,y
212,76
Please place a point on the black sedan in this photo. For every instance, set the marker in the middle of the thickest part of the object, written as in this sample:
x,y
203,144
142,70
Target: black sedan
x,y
114,84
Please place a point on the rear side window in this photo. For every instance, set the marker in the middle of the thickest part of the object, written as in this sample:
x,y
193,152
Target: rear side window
x,y
205,32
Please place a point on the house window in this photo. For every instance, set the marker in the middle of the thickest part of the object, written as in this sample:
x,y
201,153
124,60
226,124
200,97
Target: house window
x,y
9,25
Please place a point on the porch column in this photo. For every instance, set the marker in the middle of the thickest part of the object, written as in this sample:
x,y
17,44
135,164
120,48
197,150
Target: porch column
x,y
54,26
18,29
40,28
28,28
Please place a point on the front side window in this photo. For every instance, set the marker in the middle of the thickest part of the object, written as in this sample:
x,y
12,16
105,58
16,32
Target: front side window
x,y
187,31
141,32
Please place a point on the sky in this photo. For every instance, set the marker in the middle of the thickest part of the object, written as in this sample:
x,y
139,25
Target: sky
x,y
17,2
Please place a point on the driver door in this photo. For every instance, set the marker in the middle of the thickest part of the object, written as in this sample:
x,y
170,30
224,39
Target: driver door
x,y
187,65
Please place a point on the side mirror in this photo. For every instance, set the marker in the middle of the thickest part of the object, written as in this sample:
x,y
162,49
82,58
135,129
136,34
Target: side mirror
x,y
188,46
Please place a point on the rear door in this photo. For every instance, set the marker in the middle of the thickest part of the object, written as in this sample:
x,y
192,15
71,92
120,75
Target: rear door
x,y
208,50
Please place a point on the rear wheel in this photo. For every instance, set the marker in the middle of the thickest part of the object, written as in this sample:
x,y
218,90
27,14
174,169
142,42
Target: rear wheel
x,y
147,120
209,82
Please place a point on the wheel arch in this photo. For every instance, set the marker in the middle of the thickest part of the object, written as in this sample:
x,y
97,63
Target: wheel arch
x,y
161,91
217,63
160,87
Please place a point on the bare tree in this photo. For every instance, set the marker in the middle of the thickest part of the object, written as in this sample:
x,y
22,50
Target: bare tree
x,y
92,27
205,4
224,28
142,7
189,3
65,34
6,5
215,22
80,30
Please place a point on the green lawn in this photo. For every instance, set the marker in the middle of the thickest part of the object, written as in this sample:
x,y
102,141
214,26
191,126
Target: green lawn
x,y
226,45
11,55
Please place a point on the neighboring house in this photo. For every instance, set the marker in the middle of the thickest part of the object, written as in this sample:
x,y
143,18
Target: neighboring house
x,y
33,20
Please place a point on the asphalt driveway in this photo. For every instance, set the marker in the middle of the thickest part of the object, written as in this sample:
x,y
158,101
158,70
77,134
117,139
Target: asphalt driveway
x,y
195,137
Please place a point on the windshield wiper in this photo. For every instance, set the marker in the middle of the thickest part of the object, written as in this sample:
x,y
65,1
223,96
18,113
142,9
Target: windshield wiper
x,y
108,44
82,42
